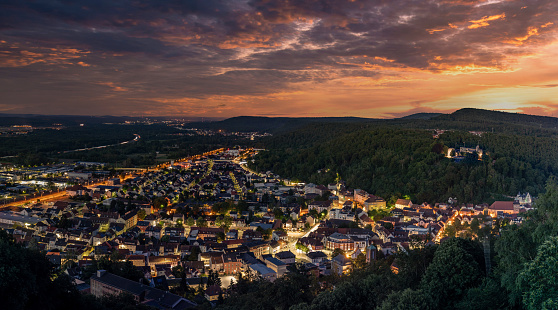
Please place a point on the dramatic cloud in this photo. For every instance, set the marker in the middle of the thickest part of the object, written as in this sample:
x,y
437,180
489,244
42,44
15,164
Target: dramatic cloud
x,y
373,58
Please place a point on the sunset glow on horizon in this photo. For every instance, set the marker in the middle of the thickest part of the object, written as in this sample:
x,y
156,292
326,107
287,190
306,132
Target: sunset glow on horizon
x,y
212,58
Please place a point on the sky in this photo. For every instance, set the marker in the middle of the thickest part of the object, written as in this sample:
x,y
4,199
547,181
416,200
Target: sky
x,y
364,58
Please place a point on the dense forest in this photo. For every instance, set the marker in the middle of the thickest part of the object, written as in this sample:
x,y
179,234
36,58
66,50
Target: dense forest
x,y
393,162
452,275
391,159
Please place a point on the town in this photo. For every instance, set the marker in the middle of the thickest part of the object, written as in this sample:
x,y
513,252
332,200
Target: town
x,y
190,228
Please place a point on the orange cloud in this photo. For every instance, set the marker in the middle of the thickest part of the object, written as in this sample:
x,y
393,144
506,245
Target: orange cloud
x,y
483,22
440,29
15,55
432,31
541,108
470,69
113,86
531,32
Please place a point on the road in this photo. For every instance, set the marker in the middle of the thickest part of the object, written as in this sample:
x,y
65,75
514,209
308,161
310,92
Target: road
x,y
293,239
59,194
298,235
245,167
137,137
440,234
48,197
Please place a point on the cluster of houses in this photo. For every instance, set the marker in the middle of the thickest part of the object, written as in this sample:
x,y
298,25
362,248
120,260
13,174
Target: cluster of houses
x,y
66,226
407,223
220,180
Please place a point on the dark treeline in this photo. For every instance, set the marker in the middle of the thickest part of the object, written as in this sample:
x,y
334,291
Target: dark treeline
x,y
452,275
75,137
500,121
273,124
41,146
391,158
486,121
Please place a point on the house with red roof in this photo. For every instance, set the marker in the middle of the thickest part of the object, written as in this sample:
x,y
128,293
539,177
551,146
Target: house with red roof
x,y
502,207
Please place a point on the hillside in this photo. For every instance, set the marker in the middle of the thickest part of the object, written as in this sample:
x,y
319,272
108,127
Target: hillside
x,y
464,119
273,124
488,121
486,116
392,158
421,116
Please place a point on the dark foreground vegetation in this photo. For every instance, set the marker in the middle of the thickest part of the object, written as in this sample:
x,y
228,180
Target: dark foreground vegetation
x,y
29,281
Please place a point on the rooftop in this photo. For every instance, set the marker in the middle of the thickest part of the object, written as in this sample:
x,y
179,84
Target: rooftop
x,y
261,269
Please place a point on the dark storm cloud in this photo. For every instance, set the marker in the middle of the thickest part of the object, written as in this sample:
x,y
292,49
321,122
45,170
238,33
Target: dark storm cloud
x,y
395,29
204,48
417,33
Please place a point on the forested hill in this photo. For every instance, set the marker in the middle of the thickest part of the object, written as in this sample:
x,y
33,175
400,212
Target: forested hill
x,y
487,121
395,158
464,119
272,124
485,116
421,116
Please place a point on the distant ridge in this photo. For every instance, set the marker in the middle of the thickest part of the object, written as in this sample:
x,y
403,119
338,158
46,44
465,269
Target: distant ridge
x,y
66,120
480,115
463,119
421,116
273,124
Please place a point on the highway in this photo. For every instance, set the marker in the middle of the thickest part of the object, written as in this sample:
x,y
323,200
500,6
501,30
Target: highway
x,y
137,137
46,197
